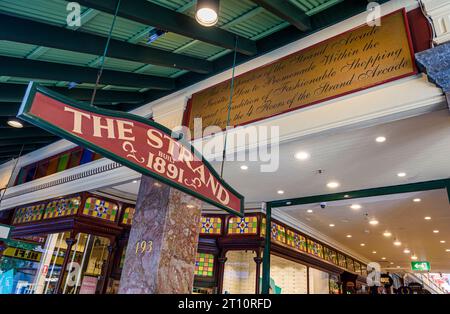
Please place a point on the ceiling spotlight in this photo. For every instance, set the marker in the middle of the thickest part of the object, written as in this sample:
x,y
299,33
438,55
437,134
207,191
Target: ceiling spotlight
x,y
15,123
362,244
387,234
302,155
190,206
135,181
442,241
207,12
406,251
401,174
374,252
398,266
416,200
435,231
392,263
397,243
309,211
244,167
157,184
380,139
373,222
349,235
355,206
383,258
346,196
414,257
280,192
447,250
333,184
427,218
331,225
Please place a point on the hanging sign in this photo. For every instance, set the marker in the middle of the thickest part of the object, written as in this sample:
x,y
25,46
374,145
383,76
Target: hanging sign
x,y
349,62
140,144
420,266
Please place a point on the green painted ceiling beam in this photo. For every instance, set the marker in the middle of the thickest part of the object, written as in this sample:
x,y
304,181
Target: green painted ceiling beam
x,y
288,12
151,14
34,69
22,133
42,34
16,92
39,140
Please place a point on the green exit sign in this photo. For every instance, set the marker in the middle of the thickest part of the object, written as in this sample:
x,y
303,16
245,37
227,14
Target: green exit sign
x,y
420,266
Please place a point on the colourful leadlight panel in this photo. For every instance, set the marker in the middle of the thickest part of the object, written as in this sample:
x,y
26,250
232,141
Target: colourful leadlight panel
x,y
62,207
342,260
211,225
350,265
357,268
263,227
246,225
29,214
315,248
363,270
101,209
278,233
204,265
330,255
128,216
296,241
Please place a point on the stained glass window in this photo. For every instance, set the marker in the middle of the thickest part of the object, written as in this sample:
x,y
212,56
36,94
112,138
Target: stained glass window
x,y
342,260
204,265
86,157
63,160
211,225
29,214
245,225
278,233
101,209
330,255
315,248
296,241
62,207
350,265
128,215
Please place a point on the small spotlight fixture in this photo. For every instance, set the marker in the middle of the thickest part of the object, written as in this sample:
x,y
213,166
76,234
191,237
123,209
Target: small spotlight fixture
x,y
427,218
349,236
414,257
373,222
207,12
281,192
244,167
406,251
302,155
355,206
331,225
401,174
309,211
380,139
397,243
15,123
333,184
387,234
435,231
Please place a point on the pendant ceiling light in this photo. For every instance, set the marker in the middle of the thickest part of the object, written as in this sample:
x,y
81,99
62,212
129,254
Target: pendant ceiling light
x,y
207,12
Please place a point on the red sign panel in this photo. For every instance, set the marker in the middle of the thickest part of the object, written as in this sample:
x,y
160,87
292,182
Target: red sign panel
x,y
133,141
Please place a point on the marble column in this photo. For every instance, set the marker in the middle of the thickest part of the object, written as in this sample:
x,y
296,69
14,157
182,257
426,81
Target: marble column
x,y
160,256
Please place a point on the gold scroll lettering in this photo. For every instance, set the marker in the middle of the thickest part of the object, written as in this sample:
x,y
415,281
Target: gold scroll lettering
x,y
358,59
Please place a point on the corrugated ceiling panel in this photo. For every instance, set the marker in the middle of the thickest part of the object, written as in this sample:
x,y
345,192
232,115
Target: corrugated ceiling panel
x,y
12,49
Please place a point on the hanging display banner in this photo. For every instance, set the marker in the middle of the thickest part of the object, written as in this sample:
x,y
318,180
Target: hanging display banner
x,y
357,59
140,144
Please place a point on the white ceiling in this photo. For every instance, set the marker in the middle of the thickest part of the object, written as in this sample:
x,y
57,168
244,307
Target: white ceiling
x,y
398,214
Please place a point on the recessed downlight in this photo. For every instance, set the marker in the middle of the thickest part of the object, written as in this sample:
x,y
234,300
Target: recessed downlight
x,y
331,225
435,231
362,244
447,250
417,200
309,211
15,123
281,192
244,167
380,139
374,222
135,181
190,206
427,218
383,258
333,184
397,243
302,155
442,241
355,206
374,252
401,174
406,251
414,257
348,235
387,234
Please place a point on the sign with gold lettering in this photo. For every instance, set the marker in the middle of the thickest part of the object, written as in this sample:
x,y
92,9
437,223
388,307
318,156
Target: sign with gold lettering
x,y
358,59
136,142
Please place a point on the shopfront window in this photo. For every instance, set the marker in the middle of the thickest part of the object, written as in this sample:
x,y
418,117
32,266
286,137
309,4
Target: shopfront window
x,y
319,282
27,268
240,272
287,277
86,264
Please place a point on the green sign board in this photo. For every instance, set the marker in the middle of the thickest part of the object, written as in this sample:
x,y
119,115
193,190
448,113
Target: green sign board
x,y
420,266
